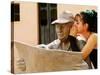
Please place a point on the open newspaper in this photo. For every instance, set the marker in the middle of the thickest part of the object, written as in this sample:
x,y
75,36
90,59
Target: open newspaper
x,y
33,59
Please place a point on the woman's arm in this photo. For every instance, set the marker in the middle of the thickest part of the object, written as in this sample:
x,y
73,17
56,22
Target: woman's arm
x,y
89,46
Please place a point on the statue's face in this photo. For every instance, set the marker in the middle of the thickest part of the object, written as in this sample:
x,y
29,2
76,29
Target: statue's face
x,y
63,30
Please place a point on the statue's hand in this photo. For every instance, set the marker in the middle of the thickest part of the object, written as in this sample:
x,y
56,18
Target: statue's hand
x,y
21,64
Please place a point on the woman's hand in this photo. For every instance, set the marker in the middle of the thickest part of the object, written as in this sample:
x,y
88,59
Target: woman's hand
x,y
73,31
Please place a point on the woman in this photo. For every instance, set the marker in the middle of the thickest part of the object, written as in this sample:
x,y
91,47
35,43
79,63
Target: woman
x,y
86,27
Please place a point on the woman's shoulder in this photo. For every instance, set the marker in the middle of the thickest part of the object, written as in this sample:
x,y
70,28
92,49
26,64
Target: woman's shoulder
x,y
92,39
93,35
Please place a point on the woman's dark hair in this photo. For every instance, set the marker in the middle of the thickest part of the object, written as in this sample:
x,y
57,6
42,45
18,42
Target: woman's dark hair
x,y
89,17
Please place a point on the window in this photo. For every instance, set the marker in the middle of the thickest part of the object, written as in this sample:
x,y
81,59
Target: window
x,y
15,12
47,13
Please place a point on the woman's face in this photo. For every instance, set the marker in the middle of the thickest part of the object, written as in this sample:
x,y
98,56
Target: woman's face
x,y
79,24
63,30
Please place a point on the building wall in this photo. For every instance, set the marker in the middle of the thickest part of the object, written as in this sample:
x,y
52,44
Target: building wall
x,y
74,8
26,30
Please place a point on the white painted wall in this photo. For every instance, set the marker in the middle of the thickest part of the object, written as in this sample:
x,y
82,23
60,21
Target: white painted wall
x,y
74,8
26,30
